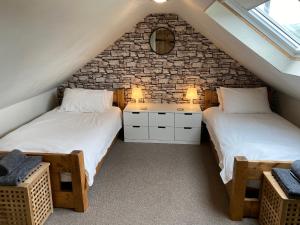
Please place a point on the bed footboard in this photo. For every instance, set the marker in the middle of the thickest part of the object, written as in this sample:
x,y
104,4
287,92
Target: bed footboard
x,y
76,196
241,206
237,191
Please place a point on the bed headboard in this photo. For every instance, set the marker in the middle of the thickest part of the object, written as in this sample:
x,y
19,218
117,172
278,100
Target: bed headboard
x,y
211,98
119,98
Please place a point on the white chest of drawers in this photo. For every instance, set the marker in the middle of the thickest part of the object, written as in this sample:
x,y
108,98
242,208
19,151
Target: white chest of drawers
x,y
162,123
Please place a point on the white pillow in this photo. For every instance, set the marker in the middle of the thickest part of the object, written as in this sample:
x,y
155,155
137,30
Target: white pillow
x,y
245,100
220,99
84,100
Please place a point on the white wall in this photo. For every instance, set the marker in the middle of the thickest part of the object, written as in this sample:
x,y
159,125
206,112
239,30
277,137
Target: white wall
x,y
289,108
43,42
20,113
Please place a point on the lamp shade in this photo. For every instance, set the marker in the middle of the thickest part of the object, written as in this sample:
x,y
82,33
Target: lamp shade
x,y
136,93
160,1
191,93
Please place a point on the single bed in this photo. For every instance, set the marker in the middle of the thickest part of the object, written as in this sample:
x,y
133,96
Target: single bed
x,y
245,146
74,143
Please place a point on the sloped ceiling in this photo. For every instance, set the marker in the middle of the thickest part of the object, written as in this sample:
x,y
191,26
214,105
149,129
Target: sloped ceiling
x,y
43,42
288,84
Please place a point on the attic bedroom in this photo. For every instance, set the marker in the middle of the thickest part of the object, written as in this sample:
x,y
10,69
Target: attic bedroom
x,y
131,112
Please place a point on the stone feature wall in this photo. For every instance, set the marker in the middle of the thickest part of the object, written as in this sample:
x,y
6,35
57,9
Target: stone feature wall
x,y
195,61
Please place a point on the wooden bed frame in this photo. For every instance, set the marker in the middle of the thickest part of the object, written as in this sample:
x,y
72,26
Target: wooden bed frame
x,y
240,204
75,195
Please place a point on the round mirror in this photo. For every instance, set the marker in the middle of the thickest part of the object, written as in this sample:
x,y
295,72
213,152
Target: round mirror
x,y
162,41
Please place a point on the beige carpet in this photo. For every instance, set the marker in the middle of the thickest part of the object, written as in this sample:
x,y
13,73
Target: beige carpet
x,y
154,184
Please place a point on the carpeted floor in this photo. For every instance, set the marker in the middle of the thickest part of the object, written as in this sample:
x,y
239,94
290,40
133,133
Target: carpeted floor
x,y
154,184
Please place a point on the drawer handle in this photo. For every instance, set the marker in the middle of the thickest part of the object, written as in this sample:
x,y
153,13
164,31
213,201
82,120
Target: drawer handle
x,y
161,127
161,113
136,126
188,114
187,128
135,112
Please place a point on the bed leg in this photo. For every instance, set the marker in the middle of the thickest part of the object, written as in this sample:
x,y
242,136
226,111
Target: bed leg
x,y
238,188
79,182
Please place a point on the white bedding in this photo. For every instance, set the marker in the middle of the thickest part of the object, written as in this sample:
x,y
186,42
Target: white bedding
x,y
63,132
256,136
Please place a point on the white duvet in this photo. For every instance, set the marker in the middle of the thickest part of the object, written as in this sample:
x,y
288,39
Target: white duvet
x,y
63,132
256,136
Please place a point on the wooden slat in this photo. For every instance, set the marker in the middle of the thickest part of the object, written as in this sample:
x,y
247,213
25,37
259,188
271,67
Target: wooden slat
x,y
214,151
100,164
79,182
228,187
210,99
256,168
251,207
63,199
119,98
238,188
58,162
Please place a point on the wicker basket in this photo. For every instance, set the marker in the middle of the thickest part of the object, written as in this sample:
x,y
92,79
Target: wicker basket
x,y
276,208
29,203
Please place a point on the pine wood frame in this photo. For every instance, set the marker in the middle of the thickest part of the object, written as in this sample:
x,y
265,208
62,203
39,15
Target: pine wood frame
x,y
244,170
276,207
30,202
73,163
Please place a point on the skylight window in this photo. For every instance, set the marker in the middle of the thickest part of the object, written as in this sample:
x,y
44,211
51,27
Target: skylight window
x,y
283,17
277,19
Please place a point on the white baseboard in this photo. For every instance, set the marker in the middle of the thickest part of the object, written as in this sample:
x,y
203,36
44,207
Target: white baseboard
x,y
164,142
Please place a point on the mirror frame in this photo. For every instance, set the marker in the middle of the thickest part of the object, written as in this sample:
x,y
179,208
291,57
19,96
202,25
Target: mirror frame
x,y
167,28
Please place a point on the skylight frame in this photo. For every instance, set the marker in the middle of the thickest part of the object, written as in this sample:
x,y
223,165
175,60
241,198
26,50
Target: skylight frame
x,y
274,27
268,27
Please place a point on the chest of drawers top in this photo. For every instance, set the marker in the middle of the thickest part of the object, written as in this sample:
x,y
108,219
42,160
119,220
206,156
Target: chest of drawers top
x,y
157,107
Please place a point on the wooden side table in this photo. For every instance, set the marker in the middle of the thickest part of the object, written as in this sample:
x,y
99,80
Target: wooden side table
x,y
29,203
276,208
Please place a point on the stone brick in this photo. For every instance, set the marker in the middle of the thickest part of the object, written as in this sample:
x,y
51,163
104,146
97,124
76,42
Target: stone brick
x,y
179,63
113,62
198,64
100,80
81,78
131,64
163,81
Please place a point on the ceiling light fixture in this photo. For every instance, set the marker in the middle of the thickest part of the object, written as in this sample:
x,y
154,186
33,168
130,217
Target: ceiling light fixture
x,y
160,1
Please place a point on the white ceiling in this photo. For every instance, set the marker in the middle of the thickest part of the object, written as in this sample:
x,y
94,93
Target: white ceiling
x,y
44,42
